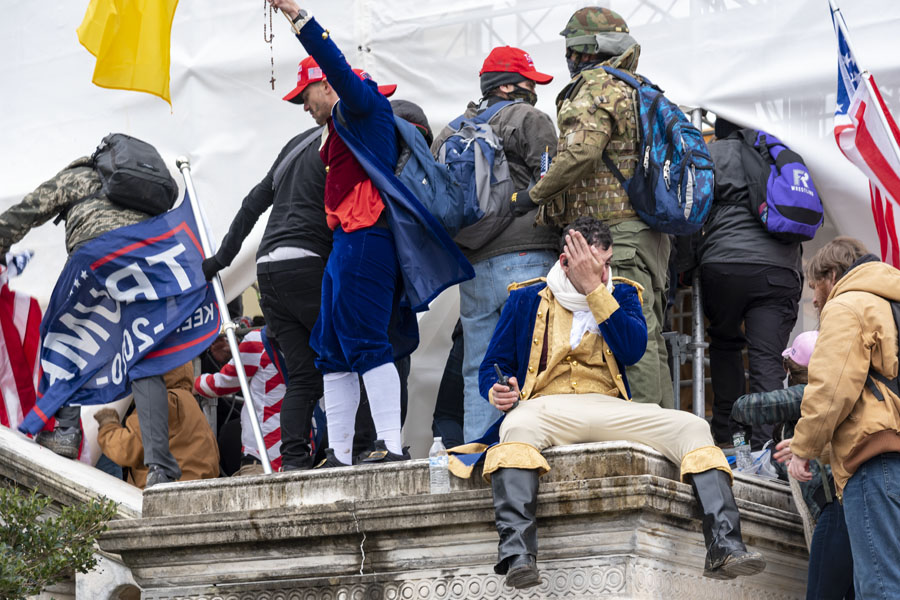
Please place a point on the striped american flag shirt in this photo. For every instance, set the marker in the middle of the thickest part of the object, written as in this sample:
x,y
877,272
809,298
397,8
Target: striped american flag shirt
x,y
266,386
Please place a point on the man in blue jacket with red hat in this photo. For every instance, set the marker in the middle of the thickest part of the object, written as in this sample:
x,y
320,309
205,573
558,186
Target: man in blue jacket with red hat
x,y
564,344
390,257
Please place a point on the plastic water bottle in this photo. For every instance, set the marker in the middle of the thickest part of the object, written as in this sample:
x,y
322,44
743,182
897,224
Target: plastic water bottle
x,y
742,452
437,468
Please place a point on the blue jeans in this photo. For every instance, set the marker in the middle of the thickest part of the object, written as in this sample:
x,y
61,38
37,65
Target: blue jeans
x,y
830,574
872,512
480,302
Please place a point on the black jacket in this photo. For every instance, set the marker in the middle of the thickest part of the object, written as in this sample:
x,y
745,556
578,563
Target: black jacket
x,y
298,208
733,234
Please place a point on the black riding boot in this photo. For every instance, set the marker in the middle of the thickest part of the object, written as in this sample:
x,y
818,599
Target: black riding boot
x,y
515,504
65,439
726,555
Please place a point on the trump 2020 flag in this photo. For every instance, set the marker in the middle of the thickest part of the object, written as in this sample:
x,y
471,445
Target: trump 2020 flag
x,y
129,304
868,136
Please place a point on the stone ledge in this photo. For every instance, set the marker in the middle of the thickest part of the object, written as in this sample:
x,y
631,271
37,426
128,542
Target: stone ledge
x,y
324,533
64,480
308,488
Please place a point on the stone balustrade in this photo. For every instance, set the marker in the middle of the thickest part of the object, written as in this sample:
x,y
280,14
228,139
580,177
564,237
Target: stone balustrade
x,y
27,465
614,522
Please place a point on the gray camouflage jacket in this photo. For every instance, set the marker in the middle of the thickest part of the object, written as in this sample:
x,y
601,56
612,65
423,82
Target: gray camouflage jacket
x,y
84,221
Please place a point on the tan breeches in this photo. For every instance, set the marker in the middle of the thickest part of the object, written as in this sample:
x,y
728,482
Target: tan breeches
x,y
579,418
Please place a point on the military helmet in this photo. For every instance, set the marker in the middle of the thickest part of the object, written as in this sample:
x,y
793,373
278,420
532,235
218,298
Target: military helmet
x,y
586,23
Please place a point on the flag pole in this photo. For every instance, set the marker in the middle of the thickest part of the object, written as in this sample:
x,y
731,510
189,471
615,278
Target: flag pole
x,y
866,77
184,165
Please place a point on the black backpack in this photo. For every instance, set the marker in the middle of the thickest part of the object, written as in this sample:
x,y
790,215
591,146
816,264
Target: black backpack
x,y
891,384
133,175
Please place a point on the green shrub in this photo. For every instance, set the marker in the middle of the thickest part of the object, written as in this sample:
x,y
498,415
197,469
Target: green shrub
x,y
38,550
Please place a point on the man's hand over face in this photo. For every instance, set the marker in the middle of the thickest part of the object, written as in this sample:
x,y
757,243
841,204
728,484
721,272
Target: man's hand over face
x,y
586,266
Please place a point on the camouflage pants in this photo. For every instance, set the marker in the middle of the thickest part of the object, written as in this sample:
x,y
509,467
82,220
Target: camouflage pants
x,y
642,255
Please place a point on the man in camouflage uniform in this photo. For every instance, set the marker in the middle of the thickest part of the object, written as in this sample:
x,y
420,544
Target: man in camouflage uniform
x,y
75,195
597,114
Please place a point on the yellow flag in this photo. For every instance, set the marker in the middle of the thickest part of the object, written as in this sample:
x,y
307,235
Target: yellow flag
x,y
130,39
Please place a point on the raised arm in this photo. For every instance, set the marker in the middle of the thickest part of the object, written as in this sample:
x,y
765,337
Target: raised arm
x,y
357,96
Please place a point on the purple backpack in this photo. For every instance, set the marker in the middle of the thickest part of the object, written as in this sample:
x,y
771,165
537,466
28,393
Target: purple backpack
x,y
781,190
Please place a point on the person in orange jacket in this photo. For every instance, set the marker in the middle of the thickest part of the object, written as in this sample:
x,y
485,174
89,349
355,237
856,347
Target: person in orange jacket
x,y
191,440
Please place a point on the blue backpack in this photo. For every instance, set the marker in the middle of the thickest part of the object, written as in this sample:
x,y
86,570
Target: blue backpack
x,y
672,186
782,194
428,179
474,155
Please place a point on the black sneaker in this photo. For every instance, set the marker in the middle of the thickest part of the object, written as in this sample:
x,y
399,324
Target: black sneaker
x,y
382,455
330,461
64,441
155,475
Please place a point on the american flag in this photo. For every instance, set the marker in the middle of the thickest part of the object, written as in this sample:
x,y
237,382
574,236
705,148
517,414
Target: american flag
x,y
868,136
20,343
545,162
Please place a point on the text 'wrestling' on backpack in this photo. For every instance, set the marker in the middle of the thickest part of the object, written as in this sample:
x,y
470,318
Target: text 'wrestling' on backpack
x,y
474,154
672,186
781,191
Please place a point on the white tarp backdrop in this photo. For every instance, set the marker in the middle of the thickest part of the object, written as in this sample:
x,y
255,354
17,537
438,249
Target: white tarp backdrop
x,y
766,63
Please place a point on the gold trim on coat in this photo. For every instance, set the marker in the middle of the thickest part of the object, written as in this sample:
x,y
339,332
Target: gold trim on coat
x,y
514,455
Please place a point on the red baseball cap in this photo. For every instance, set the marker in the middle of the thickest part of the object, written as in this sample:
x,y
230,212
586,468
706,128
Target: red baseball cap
x,y
310,72
506,59
386,90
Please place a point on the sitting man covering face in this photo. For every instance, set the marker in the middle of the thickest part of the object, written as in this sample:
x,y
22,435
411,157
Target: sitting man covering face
x,y
568,341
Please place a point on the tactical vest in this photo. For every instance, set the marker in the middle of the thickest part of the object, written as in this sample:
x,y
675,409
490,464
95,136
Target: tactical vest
x,y
600,194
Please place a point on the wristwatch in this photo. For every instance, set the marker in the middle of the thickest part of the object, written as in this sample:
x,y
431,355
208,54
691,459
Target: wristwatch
x,y
299,21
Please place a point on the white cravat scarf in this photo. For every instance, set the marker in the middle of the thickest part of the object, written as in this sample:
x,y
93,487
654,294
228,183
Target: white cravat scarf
x,y
572,300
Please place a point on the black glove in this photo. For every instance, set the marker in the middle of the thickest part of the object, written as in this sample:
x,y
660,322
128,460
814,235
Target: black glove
x,y
521,203
211,266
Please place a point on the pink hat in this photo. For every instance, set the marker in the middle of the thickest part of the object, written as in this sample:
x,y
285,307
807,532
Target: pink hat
x,y
802,348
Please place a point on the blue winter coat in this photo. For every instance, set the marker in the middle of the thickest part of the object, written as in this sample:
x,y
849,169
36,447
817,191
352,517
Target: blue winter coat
x,y
429,260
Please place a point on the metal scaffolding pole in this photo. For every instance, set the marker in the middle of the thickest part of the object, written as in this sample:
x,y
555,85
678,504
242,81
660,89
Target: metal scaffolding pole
x,y
184,165
698,345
